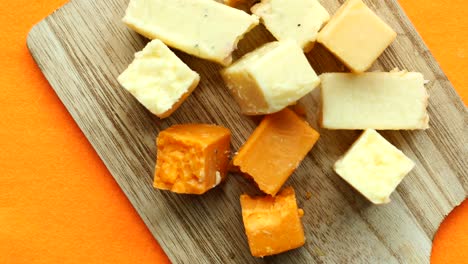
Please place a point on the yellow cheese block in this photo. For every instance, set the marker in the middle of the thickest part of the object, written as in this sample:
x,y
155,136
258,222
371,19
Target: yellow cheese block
x,y
374,167
298,20
356,35
159,79
377,100
270,78
203,28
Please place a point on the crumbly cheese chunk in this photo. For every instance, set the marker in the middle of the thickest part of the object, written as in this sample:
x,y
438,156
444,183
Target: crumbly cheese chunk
x,y
377,100
270,78
298,20
203,28
159,79
356,35
374,167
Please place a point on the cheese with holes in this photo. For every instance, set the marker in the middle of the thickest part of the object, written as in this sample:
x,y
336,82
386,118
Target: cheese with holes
x,y
374,167
297,20
203,28
272,224
192,158
270,78
275,149
378,100
158,79
356,35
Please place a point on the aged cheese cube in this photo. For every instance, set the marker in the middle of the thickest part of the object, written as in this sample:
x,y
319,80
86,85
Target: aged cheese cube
x,y
275,149
272,224
159,79
270,78
298,20
378,100
356,35
374,167
203,28
191,158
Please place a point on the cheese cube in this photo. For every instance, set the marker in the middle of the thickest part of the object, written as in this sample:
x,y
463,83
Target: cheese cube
x,y
203,28
275,149
356,35
374,167
192,158
159,79
270,78
378,100
272,224
298,20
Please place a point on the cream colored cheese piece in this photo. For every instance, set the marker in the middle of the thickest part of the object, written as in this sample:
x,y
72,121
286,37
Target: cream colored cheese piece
x,y
158,79
356,35
377,100
298,20
374,167
203,28
270,78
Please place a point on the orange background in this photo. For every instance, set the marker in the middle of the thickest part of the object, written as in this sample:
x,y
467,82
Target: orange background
x,y
58,202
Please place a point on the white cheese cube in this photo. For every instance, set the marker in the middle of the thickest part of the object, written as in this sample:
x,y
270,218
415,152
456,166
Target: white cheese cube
x,y
356,35
377,100
203,28
374,167
270,78
298,20
159,79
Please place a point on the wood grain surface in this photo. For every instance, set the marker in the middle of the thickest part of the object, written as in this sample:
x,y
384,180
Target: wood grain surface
x,y
84,46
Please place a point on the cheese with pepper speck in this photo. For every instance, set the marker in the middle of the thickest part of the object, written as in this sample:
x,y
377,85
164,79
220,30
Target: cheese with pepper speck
x,y
203,28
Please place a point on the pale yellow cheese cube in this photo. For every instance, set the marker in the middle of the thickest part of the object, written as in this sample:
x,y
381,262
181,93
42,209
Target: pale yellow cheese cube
x,y
158,79
298,20
270,78
377,100
356,35
203,28
374,167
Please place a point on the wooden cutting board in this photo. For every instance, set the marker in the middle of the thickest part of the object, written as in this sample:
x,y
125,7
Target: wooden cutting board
x,y
83,47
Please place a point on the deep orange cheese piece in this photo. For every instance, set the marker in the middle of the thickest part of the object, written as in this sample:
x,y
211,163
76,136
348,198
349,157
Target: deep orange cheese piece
x,y
241,4
191,158
275,149
272,224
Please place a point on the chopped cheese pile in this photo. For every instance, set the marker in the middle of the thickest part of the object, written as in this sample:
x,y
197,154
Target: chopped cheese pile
x,y
194,158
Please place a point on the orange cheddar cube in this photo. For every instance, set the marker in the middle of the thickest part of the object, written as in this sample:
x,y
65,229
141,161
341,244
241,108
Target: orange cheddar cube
x,y
272,224
192,158
275,149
